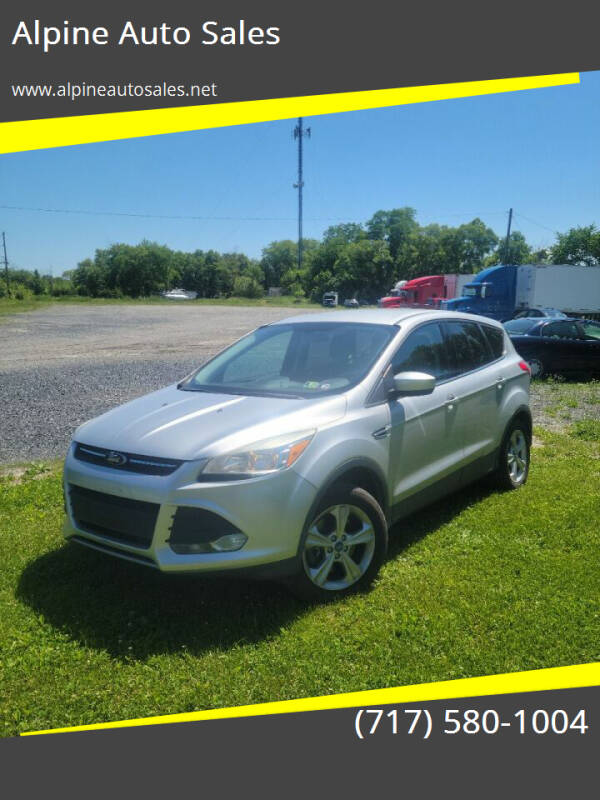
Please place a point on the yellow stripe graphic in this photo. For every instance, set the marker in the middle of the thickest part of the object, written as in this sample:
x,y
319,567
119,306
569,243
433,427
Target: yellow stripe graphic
x,y
63,131
533,681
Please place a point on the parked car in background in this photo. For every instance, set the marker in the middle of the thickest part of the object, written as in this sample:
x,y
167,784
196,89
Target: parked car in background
x,y
179,294
291,452
557,346
539,312
351,302
330,299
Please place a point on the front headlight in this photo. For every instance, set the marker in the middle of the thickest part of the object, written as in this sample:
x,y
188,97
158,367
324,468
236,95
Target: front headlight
x,y
262,458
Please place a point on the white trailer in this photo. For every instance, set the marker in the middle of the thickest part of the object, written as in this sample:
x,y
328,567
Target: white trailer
x,y
574,290
461,282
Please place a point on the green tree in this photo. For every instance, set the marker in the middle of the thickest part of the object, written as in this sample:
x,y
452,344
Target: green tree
x,y
246,286
519,252
37,284
347,233
393,227
577,246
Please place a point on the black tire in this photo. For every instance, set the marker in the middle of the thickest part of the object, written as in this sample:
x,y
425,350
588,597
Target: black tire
x,y
537,367
509,474
367,556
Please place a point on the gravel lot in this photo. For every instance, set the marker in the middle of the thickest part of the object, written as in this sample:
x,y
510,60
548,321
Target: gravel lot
x,y
63,365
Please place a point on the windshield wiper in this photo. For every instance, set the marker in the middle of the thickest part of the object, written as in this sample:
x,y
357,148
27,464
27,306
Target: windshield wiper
x,y
241,391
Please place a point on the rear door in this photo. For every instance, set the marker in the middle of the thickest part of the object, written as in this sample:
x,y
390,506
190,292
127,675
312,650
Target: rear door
x,y
564,346
477,383
426,443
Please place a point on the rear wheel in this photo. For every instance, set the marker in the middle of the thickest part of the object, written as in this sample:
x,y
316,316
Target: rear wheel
x,y
344,545
513,466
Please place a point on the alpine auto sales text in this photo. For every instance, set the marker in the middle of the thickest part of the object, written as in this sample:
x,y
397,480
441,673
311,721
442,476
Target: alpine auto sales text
x,y
212,32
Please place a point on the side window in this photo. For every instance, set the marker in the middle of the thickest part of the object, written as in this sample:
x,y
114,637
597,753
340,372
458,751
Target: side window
x,y
495,338
591,329
424,350
561,330
468,347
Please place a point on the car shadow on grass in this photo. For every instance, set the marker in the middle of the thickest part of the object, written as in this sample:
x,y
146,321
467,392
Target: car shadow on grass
x,y
132,612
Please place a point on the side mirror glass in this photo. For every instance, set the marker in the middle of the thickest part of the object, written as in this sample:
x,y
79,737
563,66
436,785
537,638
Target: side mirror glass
x,y
414,383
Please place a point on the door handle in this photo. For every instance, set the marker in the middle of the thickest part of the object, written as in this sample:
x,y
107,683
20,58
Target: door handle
x,y
450,401
382,433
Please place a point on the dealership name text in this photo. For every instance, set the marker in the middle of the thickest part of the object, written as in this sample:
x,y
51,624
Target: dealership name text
x,y
212,32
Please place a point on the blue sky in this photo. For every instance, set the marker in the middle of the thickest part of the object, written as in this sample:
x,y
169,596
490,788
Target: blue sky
x,y
452,160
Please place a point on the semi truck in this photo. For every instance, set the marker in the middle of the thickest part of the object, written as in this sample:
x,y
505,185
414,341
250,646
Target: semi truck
x,y
502,291
426,291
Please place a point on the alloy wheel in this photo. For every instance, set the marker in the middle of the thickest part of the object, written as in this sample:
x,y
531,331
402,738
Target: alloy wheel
x,y
339,547
517,456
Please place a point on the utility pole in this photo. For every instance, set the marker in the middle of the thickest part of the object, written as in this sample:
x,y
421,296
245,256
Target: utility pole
x,y
6,265
510,213
300,133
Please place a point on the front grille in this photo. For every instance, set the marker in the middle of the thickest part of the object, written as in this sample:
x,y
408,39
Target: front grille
x,y
126,462
113,551
118,518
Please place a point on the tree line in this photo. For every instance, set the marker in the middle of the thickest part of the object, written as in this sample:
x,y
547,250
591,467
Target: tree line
x,y
356,260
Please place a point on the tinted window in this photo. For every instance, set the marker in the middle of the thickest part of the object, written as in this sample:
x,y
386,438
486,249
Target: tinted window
x,y
529,312
495,338
423,351
561,330
591,329
519,325
468,348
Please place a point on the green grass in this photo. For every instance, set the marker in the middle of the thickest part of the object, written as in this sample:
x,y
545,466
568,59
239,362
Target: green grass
x,y
482,583
15,306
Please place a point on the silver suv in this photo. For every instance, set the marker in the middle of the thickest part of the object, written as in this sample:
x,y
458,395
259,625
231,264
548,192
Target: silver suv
x,y
291,452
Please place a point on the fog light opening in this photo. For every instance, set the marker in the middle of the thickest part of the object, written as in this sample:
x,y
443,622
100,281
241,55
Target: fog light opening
x,y
229,542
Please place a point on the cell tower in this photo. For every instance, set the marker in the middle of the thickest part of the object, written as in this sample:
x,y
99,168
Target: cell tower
x,y
299,134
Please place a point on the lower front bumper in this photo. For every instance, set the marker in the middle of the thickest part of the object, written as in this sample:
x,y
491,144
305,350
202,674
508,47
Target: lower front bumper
x,y
270,511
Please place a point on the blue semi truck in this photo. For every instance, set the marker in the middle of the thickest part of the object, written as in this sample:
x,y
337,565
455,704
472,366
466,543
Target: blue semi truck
x,y
502,291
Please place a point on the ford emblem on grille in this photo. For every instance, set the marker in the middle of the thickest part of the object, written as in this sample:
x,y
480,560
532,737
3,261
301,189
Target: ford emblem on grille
x,y
116,459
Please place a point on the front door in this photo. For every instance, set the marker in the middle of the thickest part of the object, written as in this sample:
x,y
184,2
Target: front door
x,y
426,441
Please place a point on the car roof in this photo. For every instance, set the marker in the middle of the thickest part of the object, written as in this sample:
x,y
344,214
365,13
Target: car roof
x,y
543,320
382,316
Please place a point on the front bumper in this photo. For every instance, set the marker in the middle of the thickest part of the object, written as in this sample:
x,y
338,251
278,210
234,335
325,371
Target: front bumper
x,y
270,510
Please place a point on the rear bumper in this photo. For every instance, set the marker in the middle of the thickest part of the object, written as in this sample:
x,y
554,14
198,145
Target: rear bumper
x,y
270,511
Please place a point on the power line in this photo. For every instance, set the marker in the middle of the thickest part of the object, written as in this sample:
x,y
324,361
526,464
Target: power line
x,y
165,216
533,222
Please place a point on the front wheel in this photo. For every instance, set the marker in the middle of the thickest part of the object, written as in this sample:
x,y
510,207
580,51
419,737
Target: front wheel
x,y
344,545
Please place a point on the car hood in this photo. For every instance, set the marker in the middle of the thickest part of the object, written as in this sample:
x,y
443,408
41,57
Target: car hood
x,y
186,425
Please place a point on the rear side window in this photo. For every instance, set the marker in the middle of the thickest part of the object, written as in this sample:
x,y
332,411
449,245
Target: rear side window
x,y
495,339
561,330
468,347
423,351
591,329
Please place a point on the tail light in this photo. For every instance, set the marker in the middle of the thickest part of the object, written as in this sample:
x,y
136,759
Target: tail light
x,y
525,367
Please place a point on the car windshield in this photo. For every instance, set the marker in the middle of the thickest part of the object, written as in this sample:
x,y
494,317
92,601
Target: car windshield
x,y
520,325
295,360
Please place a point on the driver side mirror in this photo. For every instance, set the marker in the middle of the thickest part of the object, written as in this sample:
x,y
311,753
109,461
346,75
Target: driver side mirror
x,y
413,383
